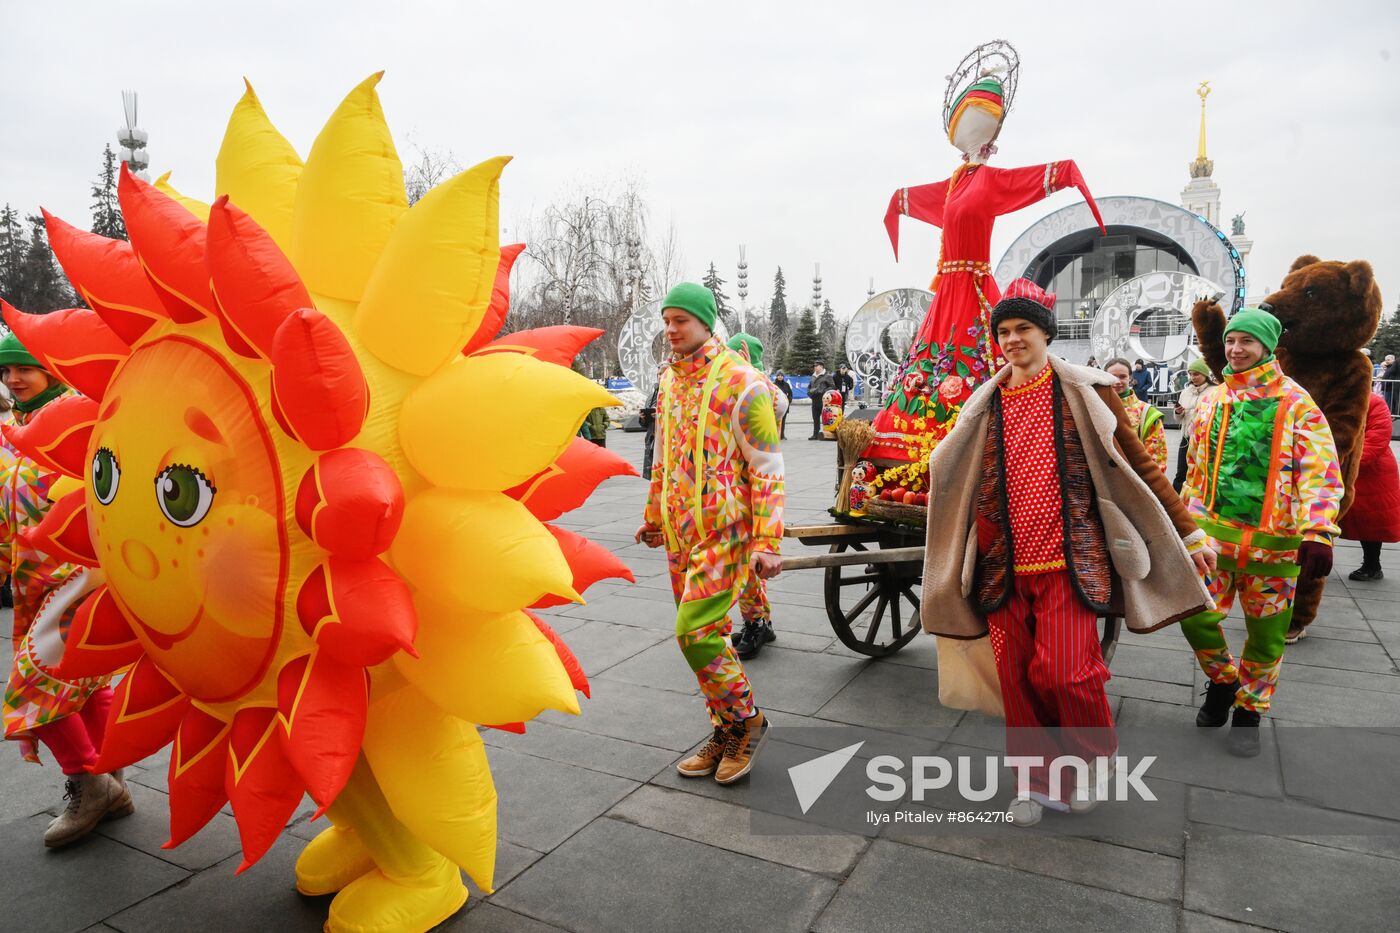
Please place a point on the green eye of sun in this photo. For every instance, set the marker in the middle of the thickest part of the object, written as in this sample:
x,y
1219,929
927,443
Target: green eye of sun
x,y
106,475
184,494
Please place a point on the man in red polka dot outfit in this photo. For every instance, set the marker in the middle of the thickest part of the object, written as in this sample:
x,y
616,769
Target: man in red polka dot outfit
x,y
1072,519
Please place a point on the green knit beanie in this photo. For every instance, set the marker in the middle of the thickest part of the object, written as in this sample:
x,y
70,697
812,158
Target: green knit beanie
x,y
693,299
742,339
1199,365
13,353
1259,324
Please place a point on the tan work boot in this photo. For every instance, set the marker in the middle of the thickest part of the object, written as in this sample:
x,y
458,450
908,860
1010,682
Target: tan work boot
x,y
742,744
705,761
91,798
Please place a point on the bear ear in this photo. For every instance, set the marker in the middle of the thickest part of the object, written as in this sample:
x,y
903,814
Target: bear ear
x,y
1360,278
1304,260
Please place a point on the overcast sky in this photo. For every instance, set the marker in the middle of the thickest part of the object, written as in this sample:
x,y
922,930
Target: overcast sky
x,y
784,126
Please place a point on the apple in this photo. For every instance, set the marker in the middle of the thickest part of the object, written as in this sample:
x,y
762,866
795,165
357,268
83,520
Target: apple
x,y
921,499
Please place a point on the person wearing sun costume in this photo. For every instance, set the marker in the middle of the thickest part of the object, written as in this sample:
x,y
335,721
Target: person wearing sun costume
x,y
754,607
716,504
67,716
1265,484
954,350
319,552
1145,419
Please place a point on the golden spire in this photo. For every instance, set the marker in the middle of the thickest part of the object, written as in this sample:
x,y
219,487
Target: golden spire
x,y
1203,91
1202,167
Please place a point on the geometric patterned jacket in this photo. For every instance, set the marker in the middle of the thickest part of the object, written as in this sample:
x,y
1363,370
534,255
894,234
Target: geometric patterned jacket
x,y
1263,472
717,410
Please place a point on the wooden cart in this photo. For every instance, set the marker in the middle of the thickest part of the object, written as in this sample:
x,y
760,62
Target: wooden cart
x,y
874,575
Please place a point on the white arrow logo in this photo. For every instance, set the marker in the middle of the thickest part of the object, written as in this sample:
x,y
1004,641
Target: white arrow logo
x,y
811,778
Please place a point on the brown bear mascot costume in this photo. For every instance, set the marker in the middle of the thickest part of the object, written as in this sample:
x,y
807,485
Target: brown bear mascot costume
x,y
1329,311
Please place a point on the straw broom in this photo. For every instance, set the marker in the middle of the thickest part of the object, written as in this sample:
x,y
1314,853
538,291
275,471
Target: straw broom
x,y
852,438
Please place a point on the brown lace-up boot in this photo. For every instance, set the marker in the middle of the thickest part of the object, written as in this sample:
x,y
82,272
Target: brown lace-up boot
x,y
91,798
705,761
741,745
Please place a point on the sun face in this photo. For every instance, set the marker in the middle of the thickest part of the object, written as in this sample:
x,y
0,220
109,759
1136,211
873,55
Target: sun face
x,y
319,545
185,508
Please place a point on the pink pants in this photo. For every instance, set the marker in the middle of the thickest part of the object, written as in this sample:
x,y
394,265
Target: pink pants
x,y
1046,644
74,741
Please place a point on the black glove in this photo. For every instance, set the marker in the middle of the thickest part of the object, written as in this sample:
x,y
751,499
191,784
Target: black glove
x,y
1315,560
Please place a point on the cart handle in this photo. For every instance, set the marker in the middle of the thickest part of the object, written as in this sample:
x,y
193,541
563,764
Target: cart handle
x,y
896,555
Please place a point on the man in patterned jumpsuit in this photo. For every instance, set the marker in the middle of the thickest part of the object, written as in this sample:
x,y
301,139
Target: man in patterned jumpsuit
x,y
715,502
1264,483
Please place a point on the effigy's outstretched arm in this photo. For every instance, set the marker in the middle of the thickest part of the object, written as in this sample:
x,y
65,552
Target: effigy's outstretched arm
x,y
922,202
1015,188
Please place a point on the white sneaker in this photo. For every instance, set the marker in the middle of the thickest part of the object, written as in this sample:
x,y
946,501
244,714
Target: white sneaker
x,y
1086,797
1084,800
1024,811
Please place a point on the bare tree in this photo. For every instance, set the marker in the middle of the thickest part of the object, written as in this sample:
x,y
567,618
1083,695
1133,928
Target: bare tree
x,y
589,261
668,263
429,169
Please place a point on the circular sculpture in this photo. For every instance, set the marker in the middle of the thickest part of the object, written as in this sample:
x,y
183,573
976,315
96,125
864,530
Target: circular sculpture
x,y
884,325
1149,318
636,345
1215,259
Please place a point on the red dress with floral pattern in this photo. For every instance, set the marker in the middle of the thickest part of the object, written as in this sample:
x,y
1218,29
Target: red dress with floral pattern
x,y
954,351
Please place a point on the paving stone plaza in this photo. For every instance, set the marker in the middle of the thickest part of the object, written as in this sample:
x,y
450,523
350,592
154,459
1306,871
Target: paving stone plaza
x,y
599,833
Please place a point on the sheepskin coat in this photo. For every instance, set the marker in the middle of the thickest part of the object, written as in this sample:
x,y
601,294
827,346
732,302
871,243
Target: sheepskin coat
x,y
1145,525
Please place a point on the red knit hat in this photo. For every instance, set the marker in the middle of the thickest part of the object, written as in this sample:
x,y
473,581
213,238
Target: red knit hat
x,y
1026,300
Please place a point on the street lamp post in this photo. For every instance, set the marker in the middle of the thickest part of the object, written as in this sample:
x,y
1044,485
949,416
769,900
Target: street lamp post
x,y
743,289
132,139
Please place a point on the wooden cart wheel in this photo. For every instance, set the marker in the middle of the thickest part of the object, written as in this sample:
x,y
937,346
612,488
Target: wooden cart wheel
x,y
1112,628
873,608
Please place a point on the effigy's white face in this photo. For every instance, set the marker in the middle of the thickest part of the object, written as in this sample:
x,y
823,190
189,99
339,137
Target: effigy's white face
x,y
976,128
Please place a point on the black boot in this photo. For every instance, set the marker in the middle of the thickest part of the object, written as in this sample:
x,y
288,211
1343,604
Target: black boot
x,y
1366,574
1243,740
752,639
1216,709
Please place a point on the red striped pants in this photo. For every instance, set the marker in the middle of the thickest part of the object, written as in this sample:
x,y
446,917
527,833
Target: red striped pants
x,y
1046,644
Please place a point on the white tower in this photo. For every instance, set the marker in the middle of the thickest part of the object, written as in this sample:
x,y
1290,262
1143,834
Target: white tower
x,y
817,289
1202,195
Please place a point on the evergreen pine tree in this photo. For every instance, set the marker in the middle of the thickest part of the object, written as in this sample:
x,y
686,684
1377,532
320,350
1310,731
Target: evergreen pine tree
x,y
805,349
714,283
778,318
41,286
833,352
11,254
1387,339
106,212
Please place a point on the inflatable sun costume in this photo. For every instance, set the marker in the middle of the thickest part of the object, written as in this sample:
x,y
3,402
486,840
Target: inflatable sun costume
x,y
311,492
